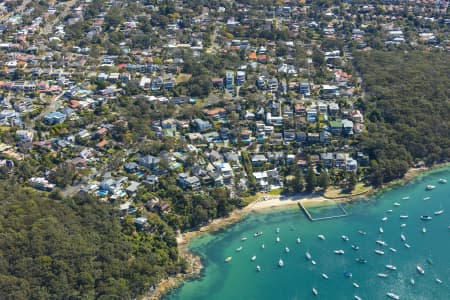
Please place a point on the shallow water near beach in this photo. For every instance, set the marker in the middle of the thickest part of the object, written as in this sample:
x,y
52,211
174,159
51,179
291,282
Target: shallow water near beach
x,y
239,279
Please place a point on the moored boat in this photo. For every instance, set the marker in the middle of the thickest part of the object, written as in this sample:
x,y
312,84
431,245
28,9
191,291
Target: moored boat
x,y
277,230
258,268
262,246
438,281
315,292
382,275
439,212
228,259
313,262
355,285
324,275
345,238
253,258
424,230
280,263
391,267
286,249
430,187
380,252
321,237
243,239
389,211
357,297
426,198
381,229
308,255
384,219
259,233
412,281
354,247
404,216
403,225
239,249
361,260
361,232
393,249
299,240
348,274
340,251
393,296
381,242
425,218
396,204
420,270
407,245
430,261
402,237
442,180
278,239
405,198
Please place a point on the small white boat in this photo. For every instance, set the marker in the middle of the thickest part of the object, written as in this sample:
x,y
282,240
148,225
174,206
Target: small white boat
x,y
357,297
420,270
439,212
430,187
402,237
389,211
313,262
280,263
412,281
308,255
381,242
381,229
355,285
405,198
426,218
340,252
253,258
262,246
442,180
239,249
426,198
424,230
407,245
391,267
396,204
393,296
321,236
277,230
315,292
299,240
404,216
345,238
243,239
384,219
361,232
278,239
324,275
258,268
378,251
259,233
393,249
403,225
438,281
286,249
354,247
382,275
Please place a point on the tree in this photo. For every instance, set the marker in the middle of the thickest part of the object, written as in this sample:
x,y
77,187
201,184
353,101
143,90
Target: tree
x,y
311,180
324,180
298,183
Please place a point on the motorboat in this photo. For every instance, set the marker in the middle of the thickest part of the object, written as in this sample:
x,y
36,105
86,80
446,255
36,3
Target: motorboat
x,y
396,204
403,225
380,252
313,262
405,198
384,219
348,274
425,218
280,263
286,249
389,211
402,237
258,268
345,238
442,180
407,245
239,249
362,232
426,198
391,267
438,281
324,275
277,230
321,236
278,239
355,285
361,260
262,246
393,296
357,297
382,243
412,281
228,259
404,216
340,251
382,275
256,234
430,187
315,292
439,212
243,239
420,270
253,258
381,229
299,240
424,230
308,255
354,247
393,249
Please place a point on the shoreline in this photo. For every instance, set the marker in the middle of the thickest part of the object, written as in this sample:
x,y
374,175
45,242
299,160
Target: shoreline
x,y
265,202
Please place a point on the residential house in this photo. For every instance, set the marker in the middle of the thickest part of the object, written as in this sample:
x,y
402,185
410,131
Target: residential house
x,y
186,181
54,118
258,160
149,161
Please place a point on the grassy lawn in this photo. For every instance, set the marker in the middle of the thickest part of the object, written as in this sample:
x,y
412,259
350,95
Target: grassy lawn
x,y
182,78
275,192
335,192
249,199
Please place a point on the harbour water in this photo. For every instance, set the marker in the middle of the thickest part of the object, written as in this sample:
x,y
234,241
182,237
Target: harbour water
x,y
239,279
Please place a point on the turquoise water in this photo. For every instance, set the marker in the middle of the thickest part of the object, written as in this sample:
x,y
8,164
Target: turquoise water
x,y
239,279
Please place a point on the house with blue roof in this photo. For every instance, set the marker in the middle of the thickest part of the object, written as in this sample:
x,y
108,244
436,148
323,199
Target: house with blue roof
x,y
54,118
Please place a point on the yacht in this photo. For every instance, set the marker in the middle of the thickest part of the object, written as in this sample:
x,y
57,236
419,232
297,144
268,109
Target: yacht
x,y
403,216
402,237
321,236
396,204
384,219
424,230
345,238
391,267
430,187
407,245
425,218
357,297
442,180
324,275
354,247
438,281
239,249
308,255
280,263
313,262
340,251
439,212
253,258
258,268
315,292
403,225
256,234
380,242
380,252
361,260
278,239
393,249
243,239
389,211
355,285
299,240
426,198
393,296
362,232
420,270
381,229
286,249
382,275
412,281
